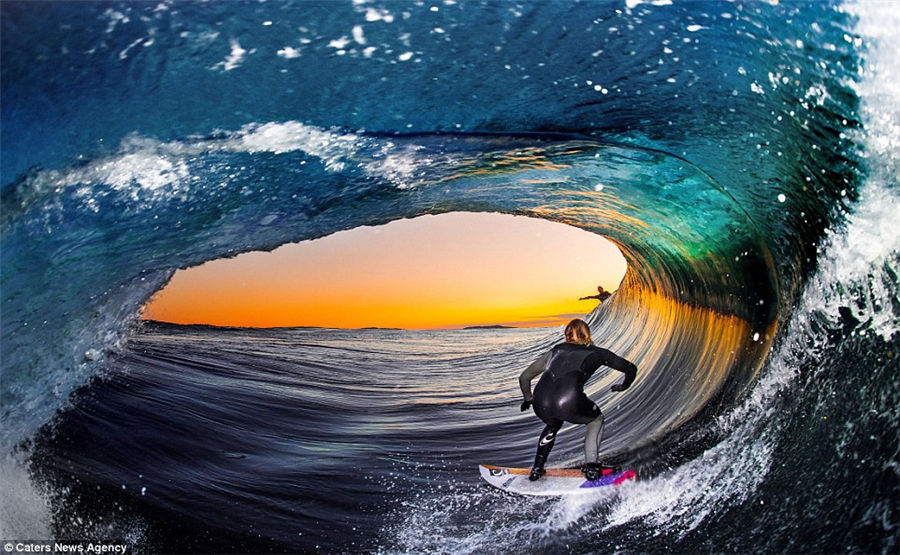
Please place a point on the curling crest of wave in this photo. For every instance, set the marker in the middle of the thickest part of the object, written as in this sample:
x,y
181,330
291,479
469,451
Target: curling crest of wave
x,y
149,164
855,270
403,165
729,473
152,170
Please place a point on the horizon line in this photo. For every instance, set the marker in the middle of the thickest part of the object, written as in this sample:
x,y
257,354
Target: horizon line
x,y
547,322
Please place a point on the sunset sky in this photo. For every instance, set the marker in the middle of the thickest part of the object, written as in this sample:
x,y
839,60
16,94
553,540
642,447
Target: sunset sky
x,y
445,271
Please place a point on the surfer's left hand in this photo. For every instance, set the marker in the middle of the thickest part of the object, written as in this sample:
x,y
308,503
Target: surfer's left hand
x,y
618,387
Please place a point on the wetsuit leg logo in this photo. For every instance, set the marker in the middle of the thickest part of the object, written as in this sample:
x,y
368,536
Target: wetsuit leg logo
x,y
547,439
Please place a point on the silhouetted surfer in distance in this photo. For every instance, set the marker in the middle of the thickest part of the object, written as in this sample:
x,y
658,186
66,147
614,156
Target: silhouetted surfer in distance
x,y
559,395
601,295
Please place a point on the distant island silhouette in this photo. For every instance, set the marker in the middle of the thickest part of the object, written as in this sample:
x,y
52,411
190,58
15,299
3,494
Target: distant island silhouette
x,y
162,324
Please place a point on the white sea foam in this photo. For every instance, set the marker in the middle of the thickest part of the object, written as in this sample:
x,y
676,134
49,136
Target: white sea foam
x,y
398,167
358,34
631,4
115,17
153,170
340,43
378,14
234,59
289,52
332,147
24,511
859,253
145,169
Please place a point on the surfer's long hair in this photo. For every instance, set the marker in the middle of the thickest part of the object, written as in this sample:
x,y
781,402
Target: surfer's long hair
x,y
577,331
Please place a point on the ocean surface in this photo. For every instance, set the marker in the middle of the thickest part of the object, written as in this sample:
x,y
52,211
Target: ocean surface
x,y
742,155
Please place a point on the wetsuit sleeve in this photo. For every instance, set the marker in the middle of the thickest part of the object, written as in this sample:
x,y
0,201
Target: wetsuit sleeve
x,y
529,374
616,362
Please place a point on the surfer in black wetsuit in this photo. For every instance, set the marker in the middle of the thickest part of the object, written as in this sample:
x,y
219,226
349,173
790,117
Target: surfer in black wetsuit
x,y
601,295
559,395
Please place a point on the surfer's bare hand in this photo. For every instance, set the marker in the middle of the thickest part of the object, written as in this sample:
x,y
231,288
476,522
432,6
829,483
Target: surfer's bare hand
x,y
526,405
618,387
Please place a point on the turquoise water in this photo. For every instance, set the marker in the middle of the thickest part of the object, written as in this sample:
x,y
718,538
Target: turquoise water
x,y
742,156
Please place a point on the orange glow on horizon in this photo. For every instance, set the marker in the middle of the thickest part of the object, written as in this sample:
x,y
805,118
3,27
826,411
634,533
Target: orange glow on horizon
x,y
446,271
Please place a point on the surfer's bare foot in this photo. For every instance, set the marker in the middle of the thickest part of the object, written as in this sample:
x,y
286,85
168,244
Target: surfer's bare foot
x,y
536,473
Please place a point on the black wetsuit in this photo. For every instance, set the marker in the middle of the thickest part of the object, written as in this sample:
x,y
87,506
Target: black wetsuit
x,y
559,395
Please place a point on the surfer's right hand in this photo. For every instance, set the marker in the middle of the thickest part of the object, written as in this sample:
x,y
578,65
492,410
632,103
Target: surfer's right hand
x,y
526,405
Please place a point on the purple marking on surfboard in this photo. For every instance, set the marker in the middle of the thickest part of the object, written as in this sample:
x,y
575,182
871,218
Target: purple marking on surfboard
x,y
607,480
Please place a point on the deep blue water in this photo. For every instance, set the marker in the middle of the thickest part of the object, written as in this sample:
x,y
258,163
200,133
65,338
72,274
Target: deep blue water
x,y
743,156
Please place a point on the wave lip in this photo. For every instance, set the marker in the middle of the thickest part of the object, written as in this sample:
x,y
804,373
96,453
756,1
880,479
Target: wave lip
x,y
687,241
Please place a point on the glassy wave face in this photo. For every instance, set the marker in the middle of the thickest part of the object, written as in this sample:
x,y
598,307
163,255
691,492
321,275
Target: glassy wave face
x,y
743,157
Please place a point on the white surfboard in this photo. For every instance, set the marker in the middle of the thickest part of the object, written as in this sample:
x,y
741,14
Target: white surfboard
x,y
557,481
